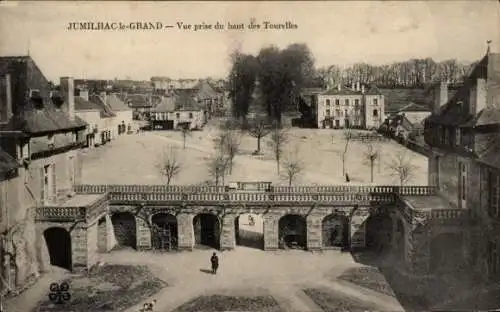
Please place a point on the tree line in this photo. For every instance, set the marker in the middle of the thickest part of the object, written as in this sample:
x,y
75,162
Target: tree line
x,y
413,73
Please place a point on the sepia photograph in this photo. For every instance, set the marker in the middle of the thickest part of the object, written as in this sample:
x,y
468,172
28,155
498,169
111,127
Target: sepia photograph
x,y
274,156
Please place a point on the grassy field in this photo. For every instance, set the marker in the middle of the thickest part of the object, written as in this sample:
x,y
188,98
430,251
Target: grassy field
x,y
108,288
334,302
217,303
133,159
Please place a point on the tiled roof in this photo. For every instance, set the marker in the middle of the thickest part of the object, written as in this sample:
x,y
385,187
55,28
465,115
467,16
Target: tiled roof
x,y
84,105
106,111
7,162
115,103
341,92
139,100
32,120
186,102
397,98
412,107
490,156
166,105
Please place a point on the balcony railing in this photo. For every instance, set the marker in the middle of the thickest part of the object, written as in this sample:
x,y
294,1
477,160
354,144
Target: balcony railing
x,y
257,186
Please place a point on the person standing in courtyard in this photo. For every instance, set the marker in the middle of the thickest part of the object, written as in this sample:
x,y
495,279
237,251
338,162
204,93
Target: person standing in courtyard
x,y
215,263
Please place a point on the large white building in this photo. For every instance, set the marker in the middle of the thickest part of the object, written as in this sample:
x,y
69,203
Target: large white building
x,y
352,107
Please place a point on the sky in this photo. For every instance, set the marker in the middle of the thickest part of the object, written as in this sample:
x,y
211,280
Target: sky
x,y
336,32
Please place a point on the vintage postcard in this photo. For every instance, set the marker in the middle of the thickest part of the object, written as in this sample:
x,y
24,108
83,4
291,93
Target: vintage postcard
x,y
249,156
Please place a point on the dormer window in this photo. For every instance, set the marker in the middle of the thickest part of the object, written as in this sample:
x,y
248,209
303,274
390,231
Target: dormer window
x,y
50,140
36,98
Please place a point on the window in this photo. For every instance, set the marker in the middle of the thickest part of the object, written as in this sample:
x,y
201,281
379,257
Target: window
x,y
327,102
346,102
337,102
177,115
74,137
375,113
346,113
71,170
190,115
337,112
327,113
34,94
458,137
375,102
356,102
494,195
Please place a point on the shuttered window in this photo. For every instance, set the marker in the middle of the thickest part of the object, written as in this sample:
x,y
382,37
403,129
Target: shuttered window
x,y
494,195
54,188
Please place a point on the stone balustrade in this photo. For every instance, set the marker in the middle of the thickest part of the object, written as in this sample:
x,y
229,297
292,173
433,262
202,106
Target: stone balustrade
x,y
256,186
60,213
449,214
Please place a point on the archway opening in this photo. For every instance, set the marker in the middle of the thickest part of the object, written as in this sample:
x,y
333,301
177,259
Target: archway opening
x,y
124,227
334,231
58,242
164,231
292,232
378,232
249,230
446,252
206,230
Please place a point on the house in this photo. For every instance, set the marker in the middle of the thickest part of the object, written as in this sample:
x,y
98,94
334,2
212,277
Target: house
x,y
91,113
40,138
122,120
347,107
464,133
415,113
141,105
175,110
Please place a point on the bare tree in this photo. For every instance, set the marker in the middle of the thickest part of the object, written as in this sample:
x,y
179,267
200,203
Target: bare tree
x,y
402,167
169,165
347,139
372,154
185,132
279,137
228,143
218,167
258,128
293,166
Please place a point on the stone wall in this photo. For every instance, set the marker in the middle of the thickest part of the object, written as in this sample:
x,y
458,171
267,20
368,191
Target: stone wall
x,y
228,235
143,234
185,230
79,248
314,232
92,244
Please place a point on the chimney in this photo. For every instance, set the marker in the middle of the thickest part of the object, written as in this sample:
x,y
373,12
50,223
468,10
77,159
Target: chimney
x,y
363,89
339,87
353,86
84,94
8,98
104,96
357,86
441,96
68,90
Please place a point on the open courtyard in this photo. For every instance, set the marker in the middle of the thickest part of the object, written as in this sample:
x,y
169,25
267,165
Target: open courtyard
x,y
133,159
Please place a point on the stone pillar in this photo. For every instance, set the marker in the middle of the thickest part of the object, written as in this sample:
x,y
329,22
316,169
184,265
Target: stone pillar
x,y
143,234
314,239
228,235
357,229
185,231
79,249
271,239
102,235
110,234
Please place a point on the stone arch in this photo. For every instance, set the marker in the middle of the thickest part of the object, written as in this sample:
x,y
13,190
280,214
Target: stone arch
x,y
378,232
334,231
164,231
292,231
124,227
249,230
446,252
207,230
58,242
